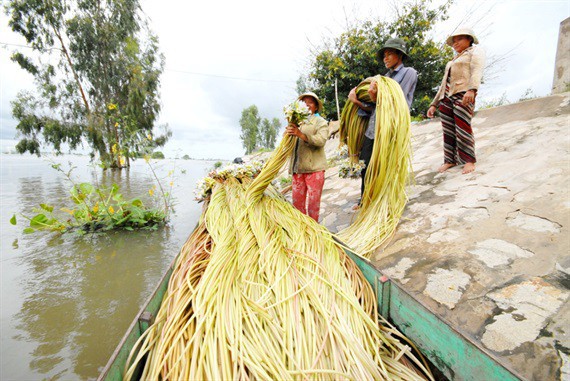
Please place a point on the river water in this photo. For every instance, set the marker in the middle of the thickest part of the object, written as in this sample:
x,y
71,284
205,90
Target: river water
x,y
67,300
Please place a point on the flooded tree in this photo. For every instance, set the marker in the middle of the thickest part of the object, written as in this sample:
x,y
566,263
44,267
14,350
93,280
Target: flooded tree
x,y
97,70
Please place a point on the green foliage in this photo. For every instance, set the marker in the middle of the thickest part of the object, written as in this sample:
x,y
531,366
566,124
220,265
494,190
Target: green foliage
x,y
157,155
421,103
353,56
285,181
185,157
97,68
97,209
268,132
217,164
301,85
249,123
31,125
257,133
418,118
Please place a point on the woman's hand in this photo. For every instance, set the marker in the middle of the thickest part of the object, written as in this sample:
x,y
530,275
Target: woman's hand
x,y
431,111
468,98
293,129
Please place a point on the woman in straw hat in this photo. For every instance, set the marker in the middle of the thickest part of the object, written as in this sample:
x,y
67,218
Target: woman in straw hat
x,y
308,161
456,100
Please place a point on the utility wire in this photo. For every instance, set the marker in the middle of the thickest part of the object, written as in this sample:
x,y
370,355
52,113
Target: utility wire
x,y
228,77
188,72
24,46
18,45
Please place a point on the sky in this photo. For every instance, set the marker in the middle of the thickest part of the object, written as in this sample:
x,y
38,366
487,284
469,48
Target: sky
x,y
224,56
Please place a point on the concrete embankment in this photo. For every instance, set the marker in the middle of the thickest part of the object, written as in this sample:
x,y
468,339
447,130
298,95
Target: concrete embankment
x,y
489,251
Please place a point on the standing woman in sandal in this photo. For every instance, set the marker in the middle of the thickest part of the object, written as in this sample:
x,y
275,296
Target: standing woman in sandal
x,y
456,100
308,161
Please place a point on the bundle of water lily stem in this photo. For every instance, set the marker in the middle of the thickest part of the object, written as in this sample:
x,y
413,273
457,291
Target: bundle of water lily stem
x,y
261,291
387,175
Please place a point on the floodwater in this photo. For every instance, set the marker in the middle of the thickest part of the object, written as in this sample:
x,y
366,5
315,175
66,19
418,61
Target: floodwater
x,y
67,300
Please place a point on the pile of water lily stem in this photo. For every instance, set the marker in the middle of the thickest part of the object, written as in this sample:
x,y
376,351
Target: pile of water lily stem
x,y
261,291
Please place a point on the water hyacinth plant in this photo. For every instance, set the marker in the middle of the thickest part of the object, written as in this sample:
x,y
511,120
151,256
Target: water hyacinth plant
x,y
98,209
296,112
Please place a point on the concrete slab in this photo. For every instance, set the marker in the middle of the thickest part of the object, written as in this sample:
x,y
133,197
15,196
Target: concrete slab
x,y
488,251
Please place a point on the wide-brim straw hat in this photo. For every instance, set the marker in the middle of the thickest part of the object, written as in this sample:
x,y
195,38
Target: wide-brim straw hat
x,y
311,94
462,32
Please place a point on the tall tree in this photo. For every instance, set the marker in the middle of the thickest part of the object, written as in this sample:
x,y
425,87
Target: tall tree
x,y
249,123
97,68
268,132
353,56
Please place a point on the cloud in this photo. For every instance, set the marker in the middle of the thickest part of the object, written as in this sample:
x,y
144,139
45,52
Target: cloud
x,y
224,56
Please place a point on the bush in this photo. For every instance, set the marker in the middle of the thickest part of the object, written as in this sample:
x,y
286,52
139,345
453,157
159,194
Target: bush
x,y
157,155
419,107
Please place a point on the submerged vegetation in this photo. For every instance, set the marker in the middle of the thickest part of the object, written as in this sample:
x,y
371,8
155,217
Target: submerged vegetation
x,y
97,208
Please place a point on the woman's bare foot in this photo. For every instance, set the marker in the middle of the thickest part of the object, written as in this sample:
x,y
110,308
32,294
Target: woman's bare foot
x,y
468,168
356,207
445,167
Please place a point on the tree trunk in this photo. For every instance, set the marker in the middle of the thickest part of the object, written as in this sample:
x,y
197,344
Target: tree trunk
x,y
66,53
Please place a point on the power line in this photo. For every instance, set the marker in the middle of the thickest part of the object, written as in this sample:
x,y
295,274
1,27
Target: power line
x,y
24,46
228,77
189,72
18,45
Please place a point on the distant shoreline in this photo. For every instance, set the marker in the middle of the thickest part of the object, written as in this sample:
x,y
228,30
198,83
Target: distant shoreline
x,y
46,154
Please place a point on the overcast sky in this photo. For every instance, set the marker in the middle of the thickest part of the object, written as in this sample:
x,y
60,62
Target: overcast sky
x,y
224,56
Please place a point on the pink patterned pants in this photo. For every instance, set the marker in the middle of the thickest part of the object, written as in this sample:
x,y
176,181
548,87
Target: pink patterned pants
x,y
307,191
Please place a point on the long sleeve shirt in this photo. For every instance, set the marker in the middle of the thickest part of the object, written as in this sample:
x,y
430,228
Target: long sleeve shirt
x,y
309,156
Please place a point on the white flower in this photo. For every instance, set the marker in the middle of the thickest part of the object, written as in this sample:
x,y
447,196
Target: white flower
x,y
204,186
296,112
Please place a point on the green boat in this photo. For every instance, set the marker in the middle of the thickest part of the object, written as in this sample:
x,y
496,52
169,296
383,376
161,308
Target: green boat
x,y
452,355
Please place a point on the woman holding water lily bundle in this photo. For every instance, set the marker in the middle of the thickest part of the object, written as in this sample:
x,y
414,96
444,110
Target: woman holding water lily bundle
x,y
308,161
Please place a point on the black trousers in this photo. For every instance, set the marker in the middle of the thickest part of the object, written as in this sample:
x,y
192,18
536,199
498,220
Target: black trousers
x,y
365,154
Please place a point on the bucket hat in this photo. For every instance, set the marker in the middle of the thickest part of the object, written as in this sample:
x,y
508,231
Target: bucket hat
x,y
311,94
396,44
462,32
